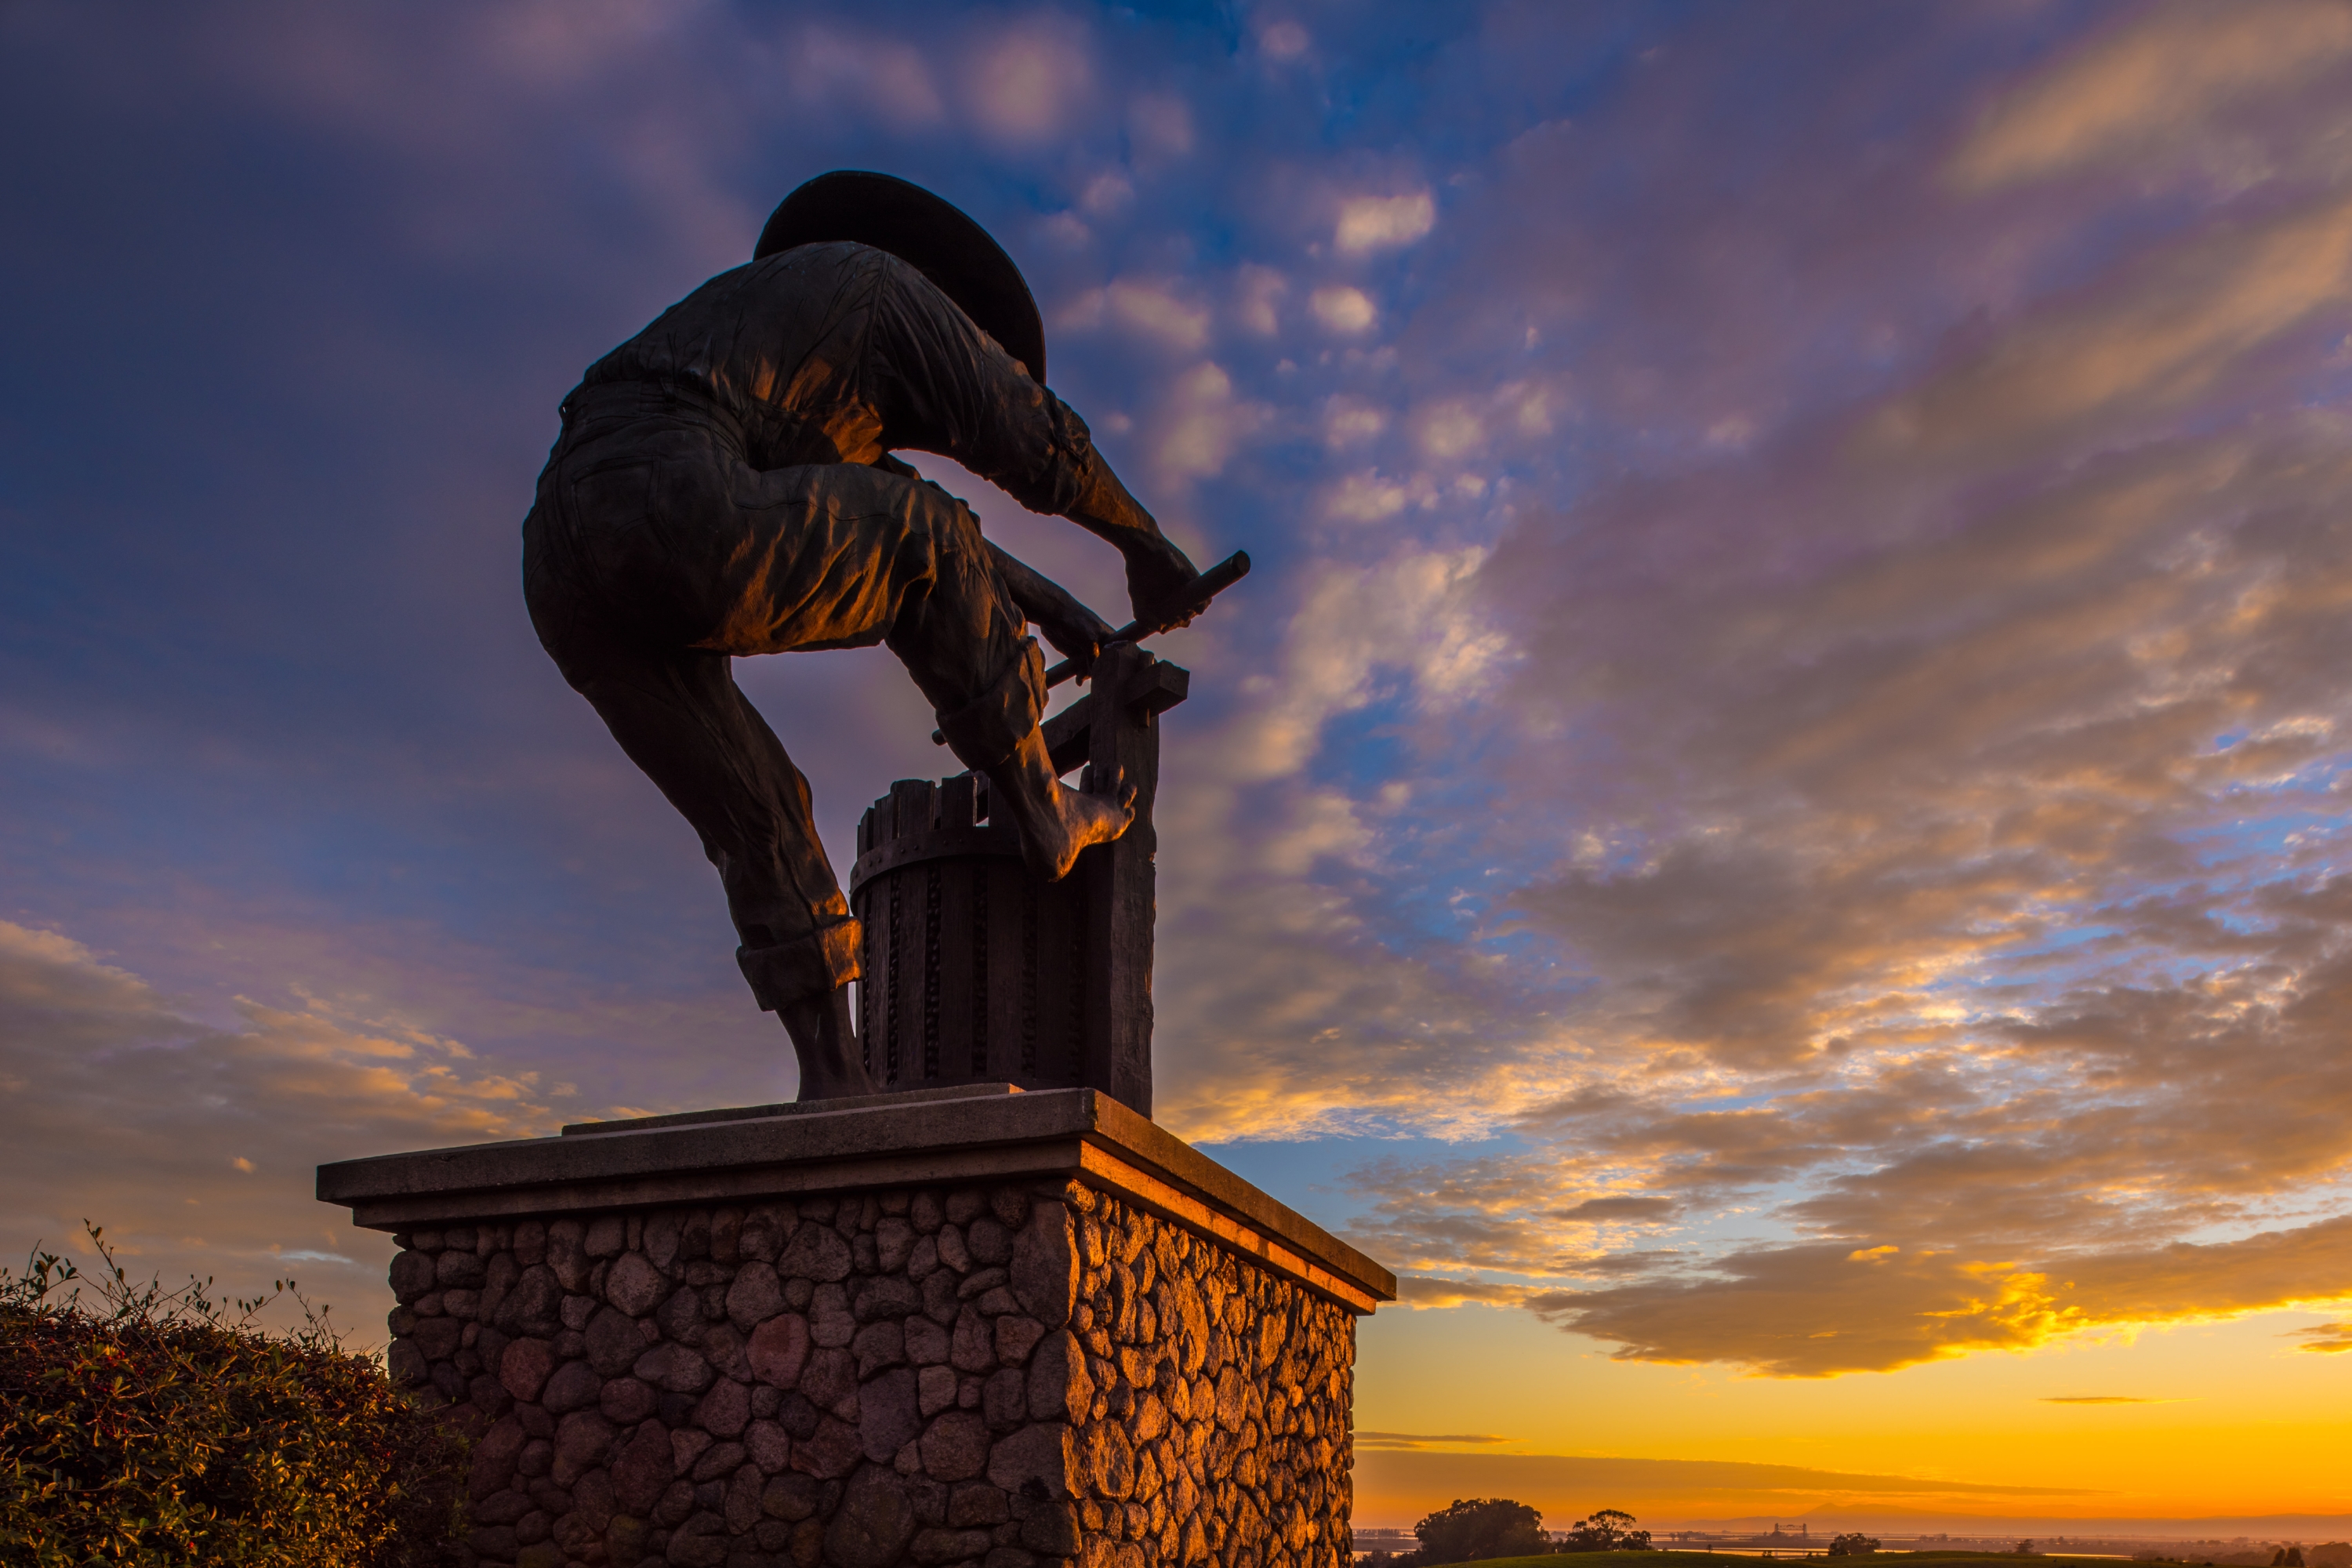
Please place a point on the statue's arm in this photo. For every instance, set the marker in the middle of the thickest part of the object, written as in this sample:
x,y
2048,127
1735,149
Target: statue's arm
x,y
1076,632
943,385
1156,570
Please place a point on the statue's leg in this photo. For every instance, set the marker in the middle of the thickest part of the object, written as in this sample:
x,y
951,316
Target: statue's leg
x,y
681,718
816,556
845,556
637,547
960,639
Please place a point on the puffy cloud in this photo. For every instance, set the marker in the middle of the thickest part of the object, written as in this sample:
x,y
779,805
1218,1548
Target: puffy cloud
x,y
1259,291
1283,39
1343,309
1450,428
1364,497
1413,612
1025,85
1202,423
1106,193
1156,309
1348,423
1311,1023
1383,223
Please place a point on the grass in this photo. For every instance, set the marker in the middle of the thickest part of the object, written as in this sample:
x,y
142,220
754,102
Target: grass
x,y
1670,1559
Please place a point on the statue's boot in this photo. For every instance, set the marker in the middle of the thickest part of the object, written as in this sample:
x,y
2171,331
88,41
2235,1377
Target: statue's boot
x,y
792,981
825,1040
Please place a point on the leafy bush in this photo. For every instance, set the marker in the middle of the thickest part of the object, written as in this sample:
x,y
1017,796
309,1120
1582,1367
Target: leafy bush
x,y
157,1428
1477,1527
1854,1545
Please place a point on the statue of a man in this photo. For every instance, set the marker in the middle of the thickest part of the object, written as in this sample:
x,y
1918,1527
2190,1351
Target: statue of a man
x,y
724,486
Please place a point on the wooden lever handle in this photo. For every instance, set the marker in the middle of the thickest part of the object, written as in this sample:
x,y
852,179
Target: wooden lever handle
x,y
1196,597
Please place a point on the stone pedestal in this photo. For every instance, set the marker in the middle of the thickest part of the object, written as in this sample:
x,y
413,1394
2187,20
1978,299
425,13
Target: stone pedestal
x,y
964,1326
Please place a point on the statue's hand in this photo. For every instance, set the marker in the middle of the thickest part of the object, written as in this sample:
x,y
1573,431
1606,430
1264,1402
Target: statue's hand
x,y
1156,573
1076,633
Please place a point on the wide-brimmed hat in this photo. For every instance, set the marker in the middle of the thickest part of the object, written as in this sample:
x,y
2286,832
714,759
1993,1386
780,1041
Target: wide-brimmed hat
x,y
933,235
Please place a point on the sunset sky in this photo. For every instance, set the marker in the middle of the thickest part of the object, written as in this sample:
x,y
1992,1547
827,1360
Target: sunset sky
x,y
1770,829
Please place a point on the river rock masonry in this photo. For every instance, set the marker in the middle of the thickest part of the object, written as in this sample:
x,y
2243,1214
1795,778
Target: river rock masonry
x,y
1126,1357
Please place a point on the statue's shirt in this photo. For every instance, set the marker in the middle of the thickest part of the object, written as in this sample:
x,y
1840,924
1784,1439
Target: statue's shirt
x,y
842,353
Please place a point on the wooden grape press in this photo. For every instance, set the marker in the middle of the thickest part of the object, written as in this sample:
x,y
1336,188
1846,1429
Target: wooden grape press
x,y
977,972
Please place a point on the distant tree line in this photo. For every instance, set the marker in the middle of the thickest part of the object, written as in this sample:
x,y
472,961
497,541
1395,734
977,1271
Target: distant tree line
x,y
1473,1529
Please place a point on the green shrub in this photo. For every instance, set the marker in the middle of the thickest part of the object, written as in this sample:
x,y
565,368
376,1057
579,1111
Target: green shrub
x,y
157,1428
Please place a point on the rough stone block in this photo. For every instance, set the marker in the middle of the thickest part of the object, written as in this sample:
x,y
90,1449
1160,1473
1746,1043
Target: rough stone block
x,y
574,1386
935,1389
874,1524
815,1252
779,1350
673,1367
726,1410
955,1446
627,1401
770,1446
755,1295
888,1417
524,1368
635,1286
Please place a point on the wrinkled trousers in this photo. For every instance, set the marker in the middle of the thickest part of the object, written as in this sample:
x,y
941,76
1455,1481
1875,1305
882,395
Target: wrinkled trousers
x,y
654,555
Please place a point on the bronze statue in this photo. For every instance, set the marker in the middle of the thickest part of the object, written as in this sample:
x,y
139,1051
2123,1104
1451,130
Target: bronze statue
x,y
724,485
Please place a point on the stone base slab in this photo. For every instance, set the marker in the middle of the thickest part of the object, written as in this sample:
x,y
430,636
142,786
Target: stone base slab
x,y
980,1328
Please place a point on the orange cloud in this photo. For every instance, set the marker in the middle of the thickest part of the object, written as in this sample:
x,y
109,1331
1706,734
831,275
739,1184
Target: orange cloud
x,y
1415,1440
2156,81
2326,1337
193,1146
1818,1311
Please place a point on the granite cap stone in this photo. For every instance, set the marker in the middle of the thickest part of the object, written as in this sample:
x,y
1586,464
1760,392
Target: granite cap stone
x,y
971,1133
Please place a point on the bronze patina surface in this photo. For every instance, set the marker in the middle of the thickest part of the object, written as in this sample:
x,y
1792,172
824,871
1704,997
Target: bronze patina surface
x,y
726,485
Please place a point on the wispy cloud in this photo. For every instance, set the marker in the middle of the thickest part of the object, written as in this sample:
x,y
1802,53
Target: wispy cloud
x,y
123,1111
2326,1337
1418,1440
